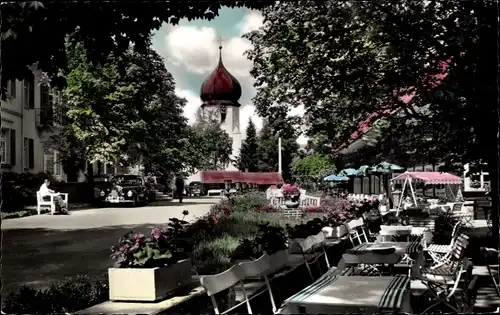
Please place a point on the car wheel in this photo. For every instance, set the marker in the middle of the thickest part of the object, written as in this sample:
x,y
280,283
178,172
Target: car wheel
x,y
136,201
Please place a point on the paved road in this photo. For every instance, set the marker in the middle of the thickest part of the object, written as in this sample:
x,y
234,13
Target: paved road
x,y
39,250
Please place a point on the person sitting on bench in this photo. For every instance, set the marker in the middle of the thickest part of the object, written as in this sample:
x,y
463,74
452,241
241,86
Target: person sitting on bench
x,y
46,192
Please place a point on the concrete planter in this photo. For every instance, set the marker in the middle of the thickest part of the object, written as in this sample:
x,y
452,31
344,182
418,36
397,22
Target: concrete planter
x,y
147,284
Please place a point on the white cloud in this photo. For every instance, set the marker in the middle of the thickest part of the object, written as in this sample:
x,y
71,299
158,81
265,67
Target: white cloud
x,y
196,49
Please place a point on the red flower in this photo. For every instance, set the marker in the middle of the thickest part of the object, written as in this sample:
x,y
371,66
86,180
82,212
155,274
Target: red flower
x,y
124,249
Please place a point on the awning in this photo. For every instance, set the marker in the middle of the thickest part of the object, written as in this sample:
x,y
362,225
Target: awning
x,y
434,178
219,177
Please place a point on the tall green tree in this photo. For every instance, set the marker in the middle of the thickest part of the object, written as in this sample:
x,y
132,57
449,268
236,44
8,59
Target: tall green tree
x,y
248,158
312,167
209,146
123,108
268,150
374,56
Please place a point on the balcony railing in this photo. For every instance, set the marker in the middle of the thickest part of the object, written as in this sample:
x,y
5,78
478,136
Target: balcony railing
x,y
49,117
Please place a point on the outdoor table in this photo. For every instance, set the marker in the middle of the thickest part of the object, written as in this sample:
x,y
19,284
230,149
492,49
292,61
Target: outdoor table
x,y
353,294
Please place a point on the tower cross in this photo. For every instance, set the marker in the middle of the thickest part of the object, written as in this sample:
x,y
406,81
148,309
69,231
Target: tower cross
x,y
220,42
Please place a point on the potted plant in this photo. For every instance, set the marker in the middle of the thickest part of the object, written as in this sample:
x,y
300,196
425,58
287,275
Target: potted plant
x,y
148,268
292,195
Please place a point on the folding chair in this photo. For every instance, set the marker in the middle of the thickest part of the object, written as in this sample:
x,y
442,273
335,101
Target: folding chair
x,y
260,266
456,252
489,254
443,287
437,251
309,245
357,232
214,284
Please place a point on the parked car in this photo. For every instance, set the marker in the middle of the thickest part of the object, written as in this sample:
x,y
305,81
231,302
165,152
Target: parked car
x,y
130,189
196,189
101,183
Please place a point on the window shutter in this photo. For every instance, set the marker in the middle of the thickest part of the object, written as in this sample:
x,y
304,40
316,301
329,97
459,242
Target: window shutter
x,y
31,153
32,92
12,147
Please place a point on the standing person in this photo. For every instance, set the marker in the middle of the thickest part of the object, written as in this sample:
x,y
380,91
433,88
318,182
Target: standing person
x,y
179,187
45,192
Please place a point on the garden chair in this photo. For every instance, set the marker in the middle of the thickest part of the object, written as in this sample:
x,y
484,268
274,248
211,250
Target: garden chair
x,y
310,244
437,251
357,232
457,250
260,266
214,284
443,284
50,203
457,211
493,271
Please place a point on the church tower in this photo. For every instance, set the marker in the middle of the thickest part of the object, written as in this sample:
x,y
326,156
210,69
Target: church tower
x,y
219,94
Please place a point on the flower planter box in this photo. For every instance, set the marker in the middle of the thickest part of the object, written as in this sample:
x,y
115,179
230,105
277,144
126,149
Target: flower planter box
x,y
147,284
335,232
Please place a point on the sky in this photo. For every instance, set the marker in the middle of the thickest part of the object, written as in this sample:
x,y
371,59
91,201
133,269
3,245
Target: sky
x,y
191,53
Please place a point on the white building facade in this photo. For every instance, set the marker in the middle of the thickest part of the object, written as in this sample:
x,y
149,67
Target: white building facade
x,y
28,118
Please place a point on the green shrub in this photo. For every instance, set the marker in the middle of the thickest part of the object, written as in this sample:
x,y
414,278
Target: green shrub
x,y
19,190
248,202
67,295
212,256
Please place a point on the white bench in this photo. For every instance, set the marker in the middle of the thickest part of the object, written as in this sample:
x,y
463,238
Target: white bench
x,y
49,203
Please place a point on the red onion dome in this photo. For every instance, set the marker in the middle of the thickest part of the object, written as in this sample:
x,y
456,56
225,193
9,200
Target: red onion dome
x,y
220,87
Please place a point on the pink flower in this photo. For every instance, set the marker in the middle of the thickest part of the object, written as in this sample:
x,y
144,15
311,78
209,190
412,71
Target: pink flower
x,y
156,233
124,249
139,238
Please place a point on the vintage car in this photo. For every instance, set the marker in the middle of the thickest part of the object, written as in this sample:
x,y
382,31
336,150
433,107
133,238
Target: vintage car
x,y
131,189
101,183
196,189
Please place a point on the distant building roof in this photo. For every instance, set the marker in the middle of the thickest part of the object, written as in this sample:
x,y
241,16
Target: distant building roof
x,y
259,178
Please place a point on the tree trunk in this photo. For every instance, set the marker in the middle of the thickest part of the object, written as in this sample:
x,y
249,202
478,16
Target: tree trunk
x,y
90,172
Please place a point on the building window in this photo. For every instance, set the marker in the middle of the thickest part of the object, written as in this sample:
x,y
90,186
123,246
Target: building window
x,y
26,161
52,163
12,89
3,150
49,162
29,92
45,97
7,146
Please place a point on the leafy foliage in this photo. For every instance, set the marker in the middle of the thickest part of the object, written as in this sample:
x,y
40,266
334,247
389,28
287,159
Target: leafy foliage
x,y
67,295
269,239
36,31
248,158
163,247
312,167
210,147
268,148
372,54
125,107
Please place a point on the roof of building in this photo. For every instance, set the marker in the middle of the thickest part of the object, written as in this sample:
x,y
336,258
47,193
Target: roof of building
x,y
387,109
220,87
259,178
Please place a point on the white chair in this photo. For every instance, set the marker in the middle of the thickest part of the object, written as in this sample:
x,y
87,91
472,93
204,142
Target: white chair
x,y
214,284
309,245
261,266
437,251
357,232
49,203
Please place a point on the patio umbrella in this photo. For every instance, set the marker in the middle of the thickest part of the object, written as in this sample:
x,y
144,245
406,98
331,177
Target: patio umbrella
x,y
362,170
336,178
385,167
348,172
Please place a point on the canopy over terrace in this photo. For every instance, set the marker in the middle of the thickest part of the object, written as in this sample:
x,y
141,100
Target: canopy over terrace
x,y
258,178
428,178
